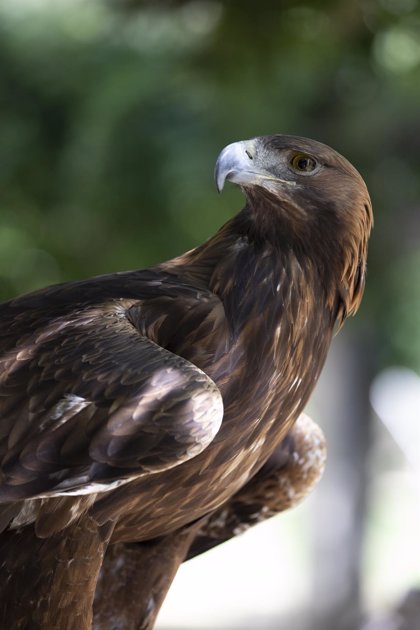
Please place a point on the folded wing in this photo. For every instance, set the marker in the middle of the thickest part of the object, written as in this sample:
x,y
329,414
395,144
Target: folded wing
x,y
88,403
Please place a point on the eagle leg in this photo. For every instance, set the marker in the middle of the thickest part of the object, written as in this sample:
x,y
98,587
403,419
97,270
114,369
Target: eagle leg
x,y
135,578
49,583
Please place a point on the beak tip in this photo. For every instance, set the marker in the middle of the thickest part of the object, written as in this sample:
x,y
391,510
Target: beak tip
x,y
219,186
219,177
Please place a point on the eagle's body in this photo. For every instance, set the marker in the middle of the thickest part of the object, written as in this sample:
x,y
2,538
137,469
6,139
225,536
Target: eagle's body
x,y
143,401
215,327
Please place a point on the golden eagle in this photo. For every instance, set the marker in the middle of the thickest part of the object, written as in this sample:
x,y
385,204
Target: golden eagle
x,y
136,406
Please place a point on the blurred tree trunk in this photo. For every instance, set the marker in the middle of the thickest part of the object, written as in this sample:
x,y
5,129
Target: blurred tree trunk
x,y
342,404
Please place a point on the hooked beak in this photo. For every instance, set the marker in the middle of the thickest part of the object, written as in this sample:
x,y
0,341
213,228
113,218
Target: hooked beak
x,y
234,164
238,163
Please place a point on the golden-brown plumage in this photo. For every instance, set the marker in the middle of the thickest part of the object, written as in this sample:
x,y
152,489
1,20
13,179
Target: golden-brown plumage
x,y
147,569
144,401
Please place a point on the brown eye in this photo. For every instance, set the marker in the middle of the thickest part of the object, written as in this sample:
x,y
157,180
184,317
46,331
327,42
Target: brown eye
x,y
302,163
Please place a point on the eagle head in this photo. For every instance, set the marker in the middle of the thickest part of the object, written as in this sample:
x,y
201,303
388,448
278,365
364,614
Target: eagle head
x,y
306,196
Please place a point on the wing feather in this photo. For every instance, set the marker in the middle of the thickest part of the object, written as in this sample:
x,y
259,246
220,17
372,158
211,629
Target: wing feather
x,y
86,400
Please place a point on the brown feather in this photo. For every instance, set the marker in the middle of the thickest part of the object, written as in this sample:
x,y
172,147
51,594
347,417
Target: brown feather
x,y
148,568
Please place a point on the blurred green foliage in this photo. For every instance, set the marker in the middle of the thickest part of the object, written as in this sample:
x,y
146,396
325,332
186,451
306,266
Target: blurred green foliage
x,y
112,114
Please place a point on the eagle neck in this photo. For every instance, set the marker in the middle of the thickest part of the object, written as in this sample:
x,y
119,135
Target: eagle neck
x,y
254,265
257,278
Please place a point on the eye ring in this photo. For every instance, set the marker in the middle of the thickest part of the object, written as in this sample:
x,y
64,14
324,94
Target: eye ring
x,y
303,163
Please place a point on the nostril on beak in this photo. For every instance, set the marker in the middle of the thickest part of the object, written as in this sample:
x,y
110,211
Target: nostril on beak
x,y
249,154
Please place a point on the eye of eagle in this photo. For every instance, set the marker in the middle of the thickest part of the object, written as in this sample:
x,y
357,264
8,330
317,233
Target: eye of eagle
x,y
302,163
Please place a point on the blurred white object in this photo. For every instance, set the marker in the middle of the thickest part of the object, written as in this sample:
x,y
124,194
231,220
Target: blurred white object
x,y
395,397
